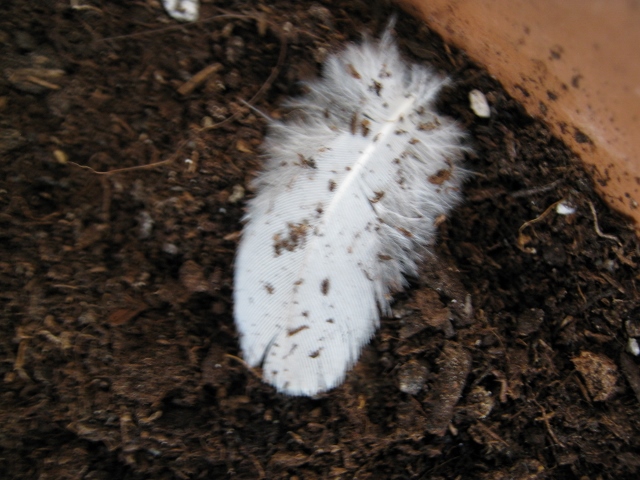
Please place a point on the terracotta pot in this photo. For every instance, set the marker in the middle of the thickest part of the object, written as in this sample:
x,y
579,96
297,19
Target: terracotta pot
x,y
574,64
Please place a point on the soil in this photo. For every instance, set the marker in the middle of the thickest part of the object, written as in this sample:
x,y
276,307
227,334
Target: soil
x,y
128,144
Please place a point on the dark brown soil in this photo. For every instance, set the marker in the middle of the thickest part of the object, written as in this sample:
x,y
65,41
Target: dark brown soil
x,y
118,353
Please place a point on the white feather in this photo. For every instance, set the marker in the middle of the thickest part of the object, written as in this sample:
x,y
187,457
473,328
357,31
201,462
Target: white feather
x,y
344,208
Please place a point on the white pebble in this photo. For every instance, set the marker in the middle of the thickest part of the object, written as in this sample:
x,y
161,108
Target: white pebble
x,y
145,222
479,104
170,249
564,208
633,347
183,10
237,194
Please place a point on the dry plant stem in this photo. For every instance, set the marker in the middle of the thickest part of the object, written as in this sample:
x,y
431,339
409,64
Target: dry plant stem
x,y
195,81
536,190
548,210
492,434
243,363
521,242
597,226
125,169
256,464
21,204
539,218
76,5
545,419
42,83
18,365
129,169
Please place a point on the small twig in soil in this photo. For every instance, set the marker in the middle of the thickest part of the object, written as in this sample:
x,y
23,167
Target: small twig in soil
x,y
589,303
76,5
19,203
504,385
523,239
536,190
245,364
256,464
196,80
61,285
18,365
491,433
597,226
545,418
128,169
539,218
626,260
584,299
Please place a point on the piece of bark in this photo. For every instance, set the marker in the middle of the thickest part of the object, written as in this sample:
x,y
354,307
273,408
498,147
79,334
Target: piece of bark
x,y
454,364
